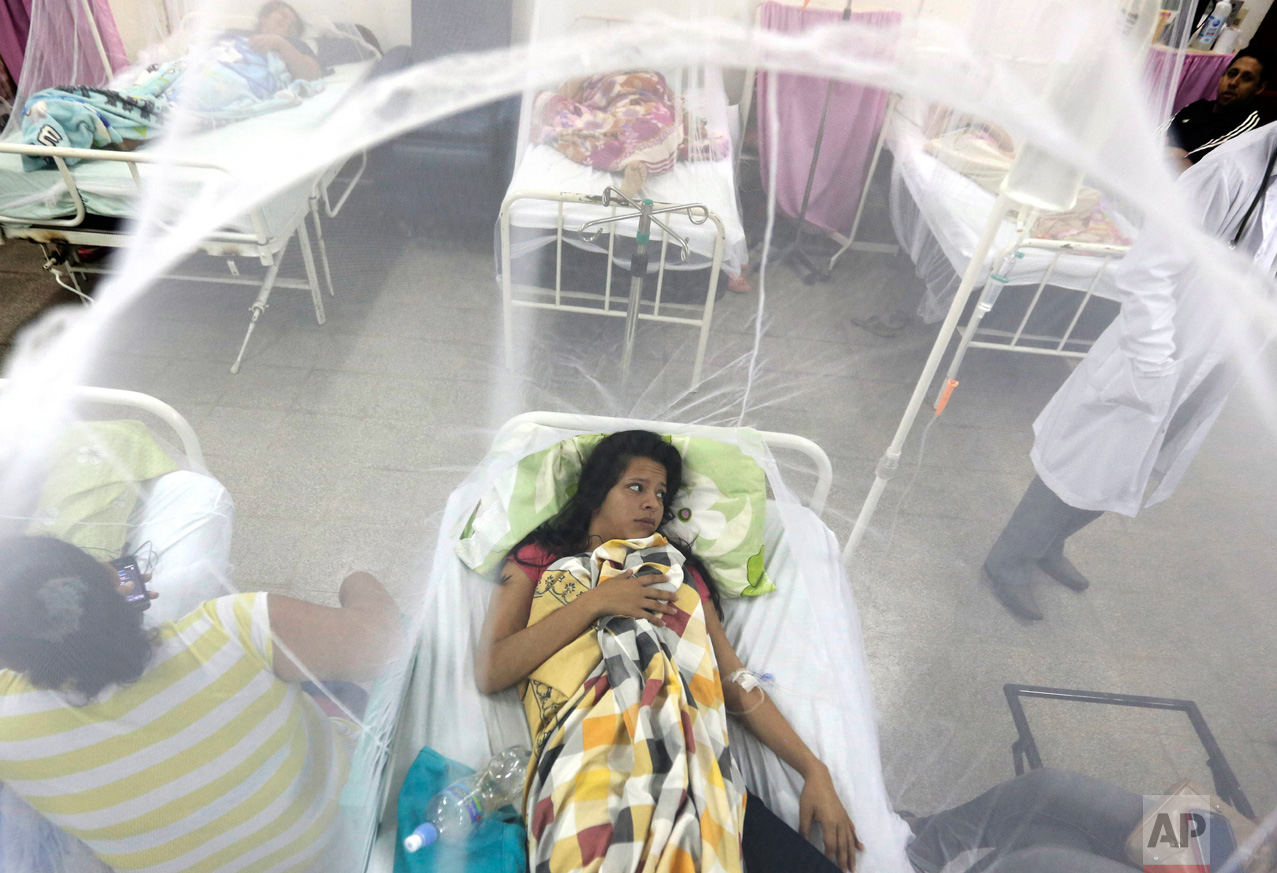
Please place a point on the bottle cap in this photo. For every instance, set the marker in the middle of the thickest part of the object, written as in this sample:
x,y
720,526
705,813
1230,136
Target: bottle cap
x,y
423,836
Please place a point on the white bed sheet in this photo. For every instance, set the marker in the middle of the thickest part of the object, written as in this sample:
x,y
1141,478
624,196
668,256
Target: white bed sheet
x,y
108,189
806,634
184,520
954,210
712,183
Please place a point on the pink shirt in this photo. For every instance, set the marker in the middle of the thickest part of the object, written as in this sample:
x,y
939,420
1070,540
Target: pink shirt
x,y
534,560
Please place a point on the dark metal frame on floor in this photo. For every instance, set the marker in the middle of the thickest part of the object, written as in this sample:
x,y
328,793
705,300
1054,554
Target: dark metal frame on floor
x,y
1025,748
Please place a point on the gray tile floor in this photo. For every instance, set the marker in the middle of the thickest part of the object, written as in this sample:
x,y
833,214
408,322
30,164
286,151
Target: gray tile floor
x,y
341,443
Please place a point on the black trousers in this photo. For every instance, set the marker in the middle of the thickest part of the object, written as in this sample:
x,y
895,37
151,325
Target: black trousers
x,y
1046,821
768,845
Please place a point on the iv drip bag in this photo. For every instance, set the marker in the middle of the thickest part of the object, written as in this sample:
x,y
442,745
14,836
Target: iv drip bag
x,y
1076,96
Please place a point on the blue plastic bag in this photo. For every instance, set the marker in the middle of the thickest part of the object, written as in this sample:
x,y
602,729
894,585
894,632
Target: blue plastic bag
x,y
499,845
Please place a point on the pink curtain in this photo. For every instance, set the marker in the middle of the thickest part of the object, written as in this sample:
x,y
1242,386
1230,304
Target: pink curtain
x,y
60,49
851,128
1198,80
15,24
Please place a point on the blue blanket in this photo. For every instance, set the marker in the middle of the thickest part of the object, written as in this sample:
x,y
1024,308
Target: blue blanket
x,y
230,83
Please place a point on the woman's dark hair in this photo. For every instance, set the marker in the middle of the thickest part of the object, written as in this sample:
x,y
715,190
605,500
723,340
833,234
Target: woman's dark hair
x,y
63,624
568,532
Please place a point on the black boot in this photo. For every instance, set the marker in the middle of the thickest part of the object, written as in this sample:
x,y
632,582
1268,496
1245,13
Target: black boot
x,y
1039,521
1060,568
1016,597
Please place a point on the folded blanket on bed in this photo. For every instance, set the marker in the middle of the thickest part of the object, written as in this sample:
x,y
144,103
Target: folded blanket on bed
x,y
630,768
229,84
985,157
624,123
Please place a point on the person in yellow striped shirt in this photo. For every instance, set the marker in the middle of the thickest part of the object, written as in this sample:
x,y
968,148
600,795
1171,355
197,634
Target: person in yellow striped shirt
x,y
188,747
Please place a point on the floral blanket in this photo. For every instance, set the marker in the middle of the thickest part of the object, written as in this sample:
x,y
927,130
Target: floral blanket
x,y
630,769
629,123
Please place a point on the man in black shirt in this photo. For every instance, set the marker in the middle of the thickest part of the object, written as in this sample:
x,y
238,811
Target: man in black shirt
x,y
1201,126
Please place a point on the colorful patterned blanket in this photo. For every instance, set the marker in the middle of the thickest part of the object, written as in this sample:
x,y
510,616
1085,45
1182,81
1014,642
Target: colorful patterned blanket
x,y
627,123
631,768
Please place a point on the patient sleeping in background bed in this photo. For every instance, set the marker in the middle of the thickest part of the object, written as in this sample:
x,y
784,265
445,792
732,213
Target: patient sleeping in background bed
x,y
984,153
241,74
629,123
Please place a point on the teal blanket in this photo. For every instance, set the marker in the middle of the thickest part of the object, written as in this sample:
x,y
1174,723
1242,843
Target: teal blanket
x,y
499,845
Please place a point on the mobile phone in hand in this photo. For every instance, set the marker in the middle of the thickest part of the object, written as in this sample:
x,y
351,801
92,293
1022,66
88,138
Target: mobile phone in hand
x,y
131,584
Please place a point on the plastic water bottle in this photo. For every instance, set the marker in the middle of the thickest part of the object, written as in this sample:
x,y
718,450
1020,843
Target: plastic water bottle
x,y
1214,24
457,810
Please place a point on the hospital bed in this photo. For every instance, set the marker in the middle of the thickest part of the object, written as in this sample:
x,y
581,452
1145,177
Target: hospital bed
x,y
90,203
806,634
939,214
551,197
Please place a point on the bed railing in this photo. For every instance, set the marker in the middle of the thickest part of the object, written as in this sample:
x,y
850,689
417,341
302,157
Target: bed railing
x,y
145,403
258,238
1020,340
609,303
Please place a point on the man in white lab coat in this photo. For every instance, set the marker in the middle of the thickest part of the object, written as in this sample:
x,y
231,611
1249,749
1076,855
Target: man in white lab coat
x,y
1143,399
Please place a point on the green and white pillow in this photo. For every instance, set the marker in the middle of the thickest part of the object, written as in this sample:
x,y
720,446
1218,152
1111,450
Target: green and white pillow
x,y
719,510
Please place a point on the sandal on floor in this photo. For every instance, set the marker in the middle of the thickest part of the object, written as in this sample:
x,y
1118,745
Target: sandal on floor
x,y
889,325
740,284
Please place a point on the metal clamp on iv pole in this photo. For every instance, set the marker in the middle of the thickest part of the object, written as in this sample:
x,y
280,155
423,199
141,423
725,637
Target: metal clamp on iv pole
x,y
697,214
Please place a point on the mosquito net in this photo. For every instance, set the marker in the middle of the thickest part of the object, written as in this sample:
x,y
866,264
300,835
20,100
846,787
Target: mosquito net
x,y
915,291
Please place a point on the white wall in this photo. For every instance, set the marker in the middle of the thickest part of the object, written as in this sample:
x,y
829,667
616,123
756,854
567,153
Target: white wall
x,y
142,22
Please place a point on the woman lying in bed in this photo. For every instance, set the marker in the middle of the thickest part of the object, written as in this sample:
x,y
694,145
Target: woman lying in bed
x,y
279,30
613,634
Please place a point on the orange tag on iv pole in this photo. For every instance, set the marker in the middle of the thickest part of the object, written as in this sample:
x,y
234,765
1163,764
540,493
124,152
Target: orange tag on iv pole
x,y
945,395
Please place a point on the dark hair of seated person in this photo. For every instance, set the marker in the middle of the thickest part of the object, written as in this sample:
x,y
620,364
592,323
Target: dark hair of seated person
x,y
63,623
1261,56
567,533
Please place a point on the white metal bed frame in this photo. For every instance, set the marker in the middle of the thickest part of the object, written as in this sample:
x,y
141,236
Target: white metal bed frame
x,y
58,237
145,403
606,303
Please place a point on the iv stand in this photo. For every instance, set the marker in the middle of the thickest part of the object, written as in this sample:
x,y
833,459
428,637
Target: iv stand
x,y
794,254
697,214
